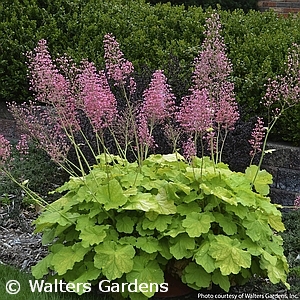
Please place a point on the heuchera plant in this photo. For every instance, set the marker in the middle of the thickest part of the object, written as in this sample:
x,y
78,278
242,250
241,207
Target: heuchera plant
x,y
138,219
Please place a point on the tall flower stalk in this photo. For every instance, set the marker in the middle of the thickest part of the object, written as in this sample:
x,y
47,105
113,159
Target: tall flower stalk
x,y
282,93
158,106
51,119
210,111
119,70
257,138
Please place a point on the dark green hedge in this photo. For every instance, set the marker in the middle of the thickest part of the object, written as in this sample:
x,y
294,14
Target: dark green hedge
x,y
245,5
149,35
22,24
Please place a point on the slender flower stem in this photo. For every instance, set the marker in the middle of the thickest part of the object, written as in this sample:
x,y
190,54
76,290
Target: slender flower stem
x,y
263,151
223,144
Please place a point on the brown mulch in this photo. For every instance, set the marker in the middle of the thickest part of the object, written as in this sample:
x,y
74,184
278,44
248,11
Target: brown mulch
x,y
19,246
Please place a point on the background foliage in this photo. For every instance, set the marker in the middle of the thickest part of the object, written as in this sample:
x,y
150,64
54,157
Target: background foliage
x,y
31,167
291,245
153,35
246,5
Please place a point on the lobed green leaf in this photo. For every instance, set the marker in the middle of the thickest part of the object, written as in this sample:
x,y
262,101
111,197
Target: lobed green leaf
x,y
181,246
197,223
67,256
148,244
260,178
229,256
145,271
93,235
114,259
195,275
204,259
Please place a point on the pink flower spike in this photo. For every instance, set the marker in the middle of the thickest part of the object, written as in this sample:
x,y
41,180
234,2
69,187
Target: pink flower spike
x,y
285,89
212,71
212,65
96,98
227,113
195,115
159,101
118,68
189,149
257,135
145,138
40,122
51,87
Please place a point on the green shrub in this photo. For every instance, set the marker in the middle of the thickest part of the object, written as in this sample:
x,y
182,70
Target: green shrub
x,y
225,4
17,28
22,25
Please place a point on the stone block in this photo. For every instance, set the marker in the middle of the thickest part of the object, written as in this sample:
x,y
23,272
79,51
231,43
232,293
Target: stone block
x,y
283,197
284,156
288,180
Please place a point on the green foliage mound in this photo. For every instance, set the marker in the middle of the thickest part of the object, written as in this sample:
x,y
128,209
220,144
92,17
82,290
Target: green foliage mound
x,y
125,223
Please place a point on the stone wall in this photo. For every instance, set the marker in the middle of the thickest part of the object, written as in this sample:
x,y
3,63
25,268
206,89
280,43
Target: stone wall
x,y
284,165
8,129
282,7
7,124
